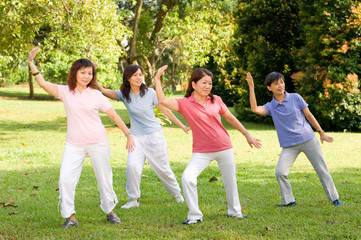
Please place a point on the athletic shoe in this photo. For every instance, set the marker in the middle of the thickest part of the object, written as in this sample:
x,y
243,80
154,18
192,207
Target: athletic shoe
x,y
131,203
238,216
192,221
70,223
179,198
288,204
113,218
337,203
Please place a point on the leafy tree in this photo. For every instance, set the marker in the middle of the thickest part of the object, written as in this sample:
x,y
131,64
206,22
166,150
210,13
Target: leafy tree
x,y
330,62
267,34
65,31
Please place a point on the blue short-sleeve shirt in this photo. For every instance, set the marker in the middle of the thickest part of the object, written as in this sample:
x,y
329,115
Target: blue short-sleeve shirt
x,y
141,112
290,122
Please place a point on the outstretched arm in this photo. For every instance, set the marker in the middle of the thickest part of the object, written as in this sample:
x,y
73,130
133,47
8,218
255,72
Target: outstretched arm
x,y
238,125
172,104
172,117
311,119
51,88
107,92
260,110
115,117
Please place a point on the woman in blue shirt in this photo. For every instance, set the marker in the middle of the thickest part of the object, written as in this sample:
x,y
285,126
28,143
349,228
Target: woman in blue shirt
x,y
289,113
149,138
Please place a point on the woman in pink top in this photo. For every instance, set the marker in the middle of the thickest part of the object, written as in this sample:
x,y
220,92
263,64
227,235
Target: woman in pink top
x,y
211,141
85,136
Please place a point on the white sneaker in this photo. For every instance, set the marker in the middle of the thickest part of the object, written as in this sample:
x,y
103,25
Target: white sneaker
x,y
131,203
179,198
238,216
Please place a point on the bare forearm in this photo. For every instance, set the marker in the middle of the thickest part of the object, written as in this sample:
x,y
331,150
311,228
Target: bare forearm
x,y
253,101
118,121
172,117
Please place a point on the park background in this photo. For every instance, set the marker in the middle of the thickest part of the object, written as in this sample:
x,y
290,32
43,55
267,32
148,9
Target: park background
x,y
315,44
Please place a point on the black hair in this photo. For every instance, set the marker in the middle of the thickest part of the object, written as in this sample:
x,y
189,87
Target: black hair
x,y
273,77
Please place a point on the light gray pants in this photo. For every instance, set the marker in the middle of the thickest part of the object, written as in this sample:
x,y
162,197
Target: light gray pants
x,y
152,147
70,171
312,150
195,167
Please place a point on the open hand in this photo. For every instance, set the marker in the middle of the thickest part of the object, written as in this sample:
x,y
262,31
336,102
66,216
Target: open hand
x,y
250,80
130,146
324,137
253,141
32,54
160,72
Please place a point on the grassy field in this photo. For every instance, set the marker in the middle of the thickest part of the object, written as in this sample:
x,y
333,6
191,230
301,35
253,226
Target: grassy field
x,y
32,136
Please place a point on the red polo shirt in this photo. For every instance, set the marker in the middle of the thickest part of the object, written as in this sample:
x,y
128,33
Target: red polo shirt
x,y
209,135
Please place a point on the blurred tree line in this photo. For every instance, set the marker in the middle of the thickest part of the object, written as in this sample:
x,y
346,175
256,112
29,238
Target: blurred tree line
x,y
315,44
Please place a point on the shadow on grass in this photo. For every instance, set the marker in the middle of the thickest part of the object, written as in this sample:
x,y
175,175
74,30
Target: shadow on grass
x,y
15,94
58,124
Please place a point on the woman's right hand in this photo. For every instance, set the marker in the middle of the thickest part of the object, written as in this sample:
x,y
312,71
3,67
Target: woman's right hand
x,y
250,80
130,143
32,54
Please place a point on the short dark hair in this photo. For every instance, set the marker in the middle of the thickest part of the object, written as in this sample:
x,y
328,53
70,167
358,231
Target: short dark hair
x,y
78,64
197,75
125,88
273,77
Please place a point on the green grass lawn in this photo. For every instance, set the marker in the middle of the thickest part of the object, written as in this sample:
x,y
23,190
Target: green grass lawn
x,y
32,137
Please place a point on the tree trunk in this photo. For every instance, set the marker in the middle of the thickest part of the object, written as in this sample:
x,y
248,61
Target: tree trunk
x,y
132,54
31,85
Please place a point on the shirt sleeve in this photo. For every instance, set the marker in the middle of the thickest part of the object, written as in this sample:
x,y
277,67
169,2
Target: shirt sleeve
x,y
120,95
267,107
301,102
223,107
154,96
61,90
104,104
180,102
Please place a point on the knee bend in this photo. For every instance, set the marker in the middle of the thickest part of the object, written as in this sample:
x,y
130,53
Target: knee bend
x,y
189,180
281,173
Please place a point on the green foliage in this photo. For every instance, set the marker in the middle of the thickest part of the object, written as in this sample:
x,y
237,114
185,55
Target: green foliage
x,y
267,32
65,31
316,45
15,75
330,62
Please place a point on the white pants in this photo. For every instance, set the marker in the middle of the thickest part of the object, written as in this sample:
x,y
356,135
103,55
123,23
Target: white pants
x,y
313,152
70,171
195,167
152,147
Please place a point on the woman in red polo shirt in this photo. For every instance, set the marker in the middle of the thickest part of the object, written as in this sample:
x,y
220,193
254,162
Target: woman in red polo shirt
x,y
211,141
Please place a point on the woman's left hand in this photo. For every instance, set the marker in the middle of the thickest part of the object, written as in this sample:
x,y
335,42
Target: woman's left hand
x,y
253,141
160,72
186,129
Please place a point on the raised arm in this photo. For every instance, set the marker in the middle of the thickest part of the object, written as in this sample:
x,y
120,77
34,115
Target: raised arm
x,y
115,117
313,121
238,125
167,102
172,117
260,110
107,92
51,88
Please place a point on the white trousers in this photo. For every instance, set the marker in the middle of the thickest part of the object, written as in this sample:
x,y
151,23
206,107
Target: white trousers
x,y
151,147
227,166
312,150
70,171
